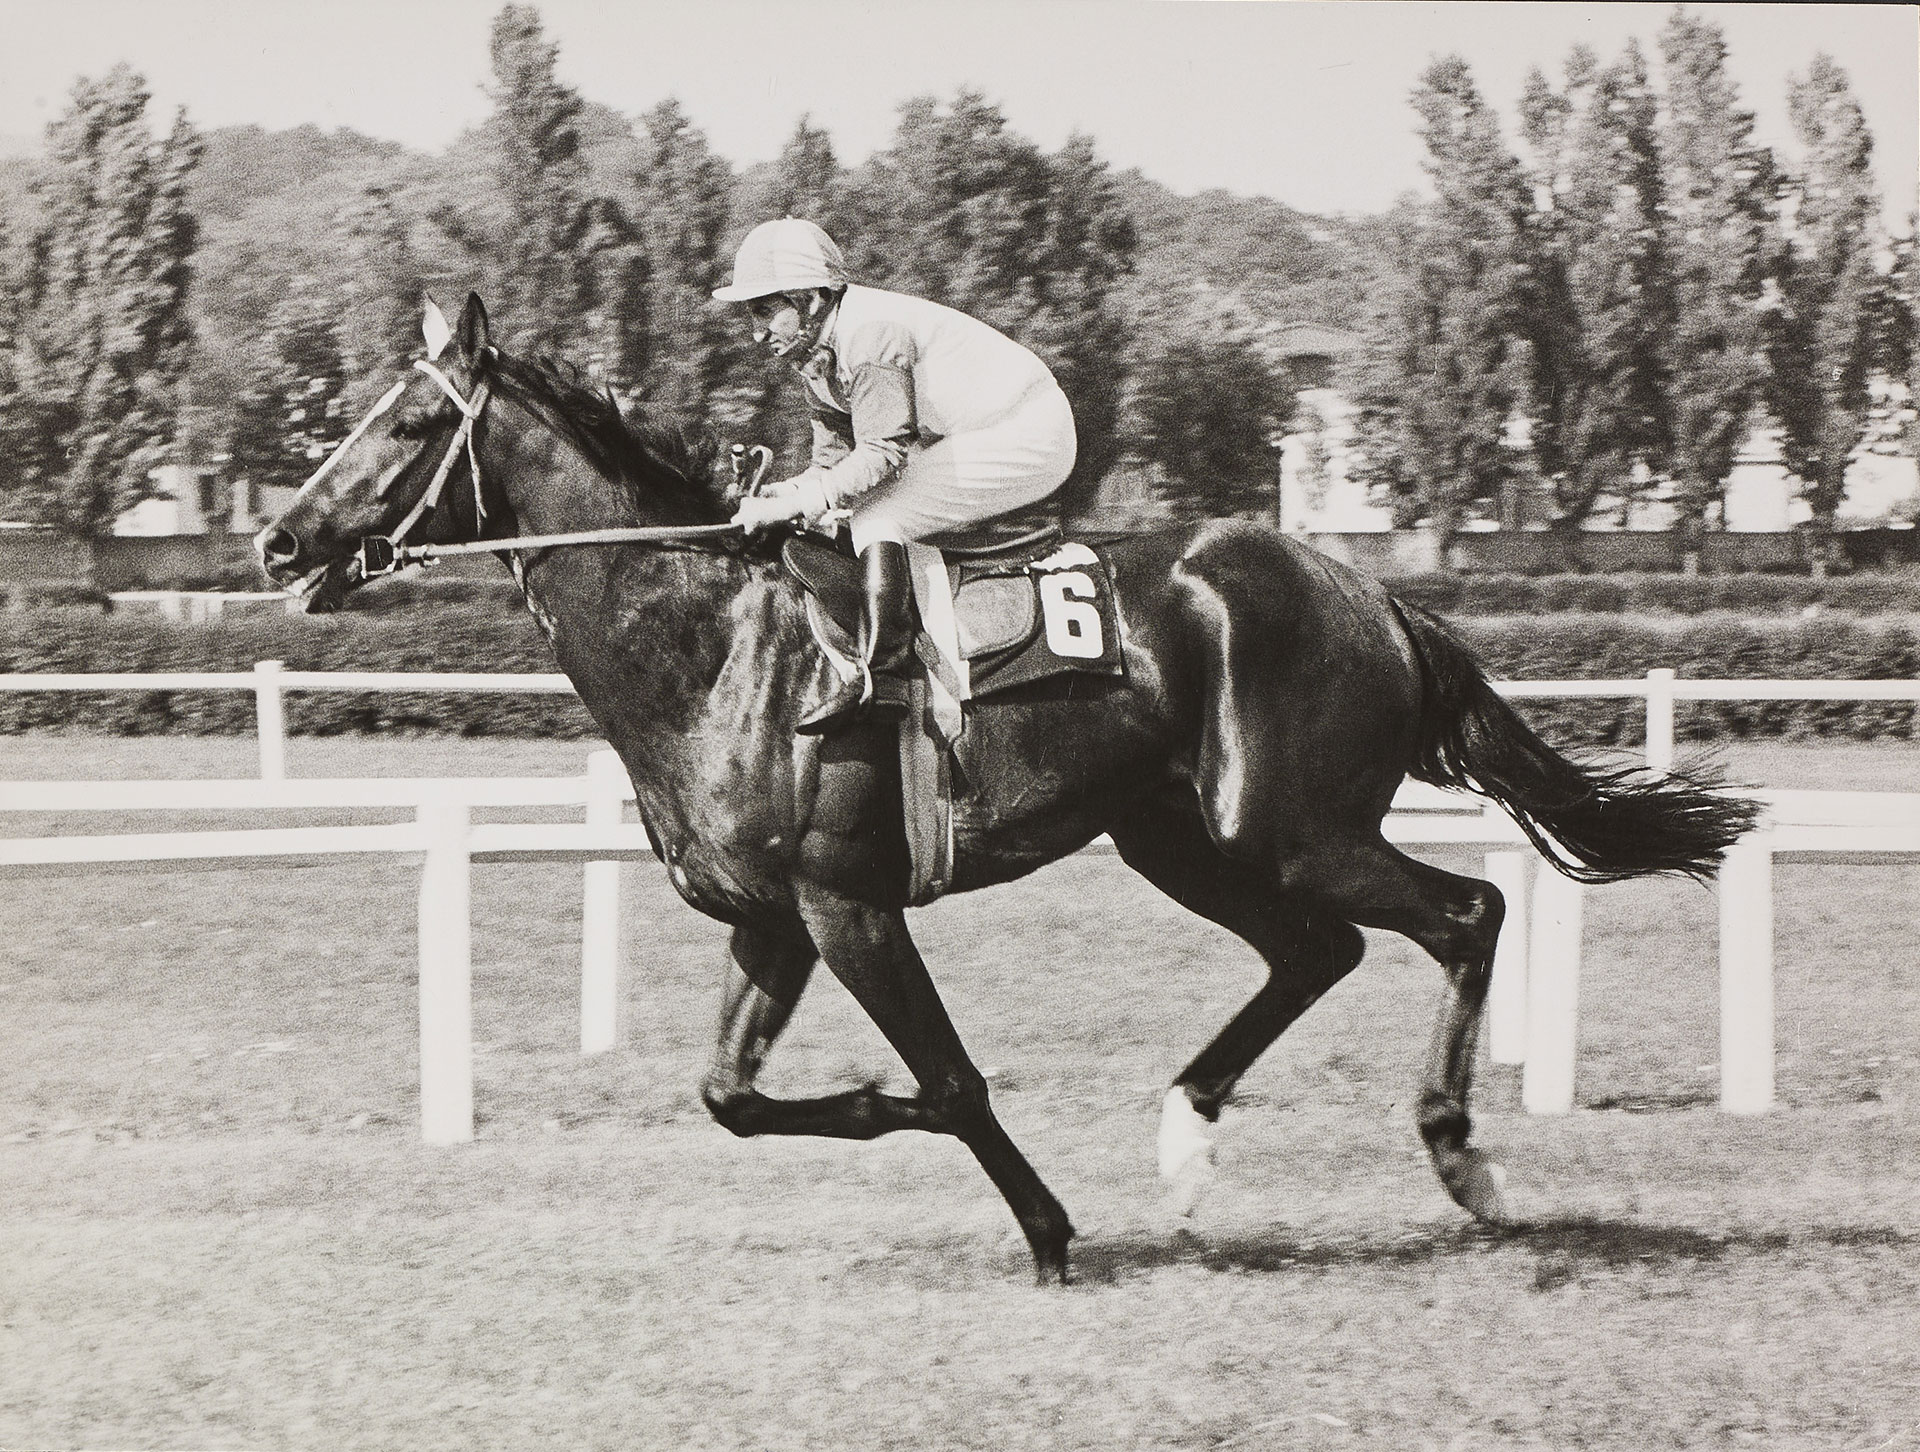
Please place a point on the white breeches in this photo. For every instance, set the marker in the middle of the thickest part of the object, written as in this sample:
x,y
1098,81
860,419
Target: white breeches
x,y
972,476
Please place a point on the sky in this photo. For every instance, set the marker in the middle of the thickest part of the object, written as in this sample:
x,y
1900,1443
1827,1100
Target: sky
x,y
1298,100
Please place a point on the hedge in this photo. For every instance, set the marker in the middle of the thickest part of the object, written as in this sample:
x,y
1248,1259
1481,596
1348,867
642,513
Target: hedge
x,y
1894,592
409,640
1601,647
423,637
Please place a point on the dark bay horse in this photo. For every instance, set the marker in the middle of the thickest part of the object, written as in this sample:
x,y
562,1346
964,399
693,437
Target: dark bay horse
x,y
1272,703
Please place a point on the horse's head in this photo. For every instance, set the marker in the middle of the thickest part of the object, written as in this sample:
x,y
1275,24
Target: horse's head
x,y
387,478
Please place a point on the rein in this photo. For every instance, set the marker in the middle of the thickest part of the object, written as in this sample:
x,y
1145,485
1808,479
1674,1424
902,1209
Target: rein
x,y
383,554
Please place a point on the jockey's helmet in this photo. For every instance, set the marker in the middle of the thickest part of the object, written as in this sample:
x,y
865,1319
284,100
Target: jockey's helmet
x,y
788,255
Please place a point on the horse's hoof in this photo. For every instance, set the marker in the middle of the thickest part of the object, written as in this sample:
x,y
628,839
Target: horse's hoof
x,y
1049,1247
1186,1151
1481,1190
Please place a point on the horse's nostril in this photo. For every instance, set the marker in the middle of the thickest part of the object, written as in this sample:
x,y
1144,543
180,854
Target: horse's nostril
x,y
279,547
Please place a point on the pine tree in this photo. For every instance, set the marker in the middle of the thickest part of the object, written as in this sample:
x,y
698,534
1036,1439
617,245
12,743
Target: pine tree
x,y
1600,305
1901,333
541,178
1445,360
808,181
684,205
98,345
615,280
1824,336
1721,238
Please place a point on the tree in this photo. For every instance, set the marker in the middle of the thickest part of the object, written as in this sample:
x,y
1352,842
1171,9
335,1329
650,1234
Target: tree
x,y
1901,332
1444,364
1600,303
962,210
541,177
1721,238
1205,410
692,345
613,304
297,410
378,325
807,181
90,388
1824,335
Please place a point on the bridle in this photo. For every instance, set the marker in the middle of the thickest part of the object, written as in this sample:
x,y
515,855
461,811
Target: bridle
x,y
383,554
470,411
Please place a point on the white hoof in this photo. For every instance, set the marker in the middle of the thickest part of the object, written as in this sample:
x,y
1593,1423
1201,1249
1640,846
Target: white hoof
x,y
1485,1193
1186,1151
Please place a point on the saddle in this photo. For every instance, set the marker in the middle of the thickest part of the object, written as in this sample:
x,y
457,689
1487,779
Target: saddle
x,y
1000,606
1005,605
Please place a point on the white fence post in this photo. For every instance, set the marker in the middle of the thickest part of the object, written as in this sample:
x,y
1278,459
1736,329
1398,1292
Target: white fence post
x,y
1507,996
1746,977
600,912
1553,994
446,975
269,708
1660,720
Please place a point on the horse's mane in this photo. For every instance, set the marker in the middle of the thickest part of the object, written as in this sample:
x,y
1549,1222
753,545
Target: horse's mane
x,y
657,459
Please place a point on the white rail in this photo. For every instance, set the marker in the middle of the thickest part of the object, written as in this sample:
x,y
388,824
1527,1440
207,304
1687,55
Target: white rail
x,y
270,682
442,838
1532,1005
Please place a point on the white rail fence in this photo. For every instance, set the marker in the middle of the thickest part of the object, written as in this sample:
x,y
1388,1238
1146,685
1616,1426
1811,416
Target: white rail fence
x,y
1533,1003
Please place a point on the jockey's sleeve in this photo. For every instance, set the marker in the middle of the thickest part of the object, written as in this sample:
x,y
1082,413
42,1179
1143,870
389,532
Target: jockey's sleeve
x,y
832,439
885,421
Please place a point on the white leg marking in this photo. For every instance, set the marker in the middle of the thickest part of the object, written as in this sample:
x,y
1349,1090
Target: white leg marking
x,y
1186,1151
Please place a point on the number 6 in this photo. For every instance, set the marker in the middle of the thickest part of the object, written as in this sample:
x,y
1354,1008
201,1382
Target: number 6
x,y
1073,626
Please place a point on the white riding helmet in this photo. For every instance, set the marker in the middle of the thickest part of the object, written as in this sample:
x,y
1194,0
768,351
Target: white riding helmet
x,y
790,255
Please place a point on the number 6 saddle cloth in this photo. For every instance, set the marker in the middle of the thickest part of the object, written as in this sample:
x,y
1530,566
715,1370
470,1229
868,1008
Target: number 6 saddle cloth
x,y
988,623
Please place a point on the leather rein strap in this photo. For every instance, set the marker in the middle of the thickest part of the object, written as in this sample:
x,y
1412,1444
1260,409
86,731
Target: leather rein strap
x,y
383,554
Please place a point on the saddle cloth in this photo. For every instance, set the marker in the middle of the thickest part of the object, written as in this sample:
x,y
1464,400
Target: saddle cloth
x,y
988,622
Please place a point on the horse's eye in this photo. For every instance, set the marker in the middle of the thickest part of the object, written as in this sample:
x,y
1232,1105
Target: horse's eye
x,y
412,424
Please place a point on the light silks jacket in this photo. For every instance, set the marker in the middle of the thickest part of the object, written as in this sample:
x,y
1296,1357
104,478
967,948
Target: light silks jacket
x,y
891,372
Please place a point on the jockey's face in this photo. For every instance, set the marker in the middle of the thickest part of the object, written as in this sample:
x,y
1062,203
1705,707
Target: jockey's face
x,y
784,322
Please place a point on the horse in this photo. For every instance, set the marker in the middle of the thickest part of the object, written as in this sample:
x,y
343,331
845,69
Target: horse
x,y
1272,701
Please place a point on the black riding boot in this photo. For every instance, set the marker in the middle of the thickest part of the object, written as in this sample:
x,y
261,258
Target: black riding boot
x,y
885,644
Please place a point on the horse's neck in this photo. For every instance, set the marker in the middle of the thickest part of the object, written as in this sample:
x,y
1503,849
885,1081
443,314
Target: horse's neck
x,y
643,633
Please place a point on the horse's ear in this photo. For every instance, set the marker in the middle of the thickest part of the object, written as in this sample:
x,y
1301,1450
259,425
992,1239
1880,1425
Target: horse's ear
x,y
472,333
435,328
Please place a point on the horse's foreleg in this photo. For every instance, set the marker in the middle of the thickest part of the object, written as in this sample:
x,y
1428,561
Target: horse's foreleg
x,y
767,970
870,951
1306,954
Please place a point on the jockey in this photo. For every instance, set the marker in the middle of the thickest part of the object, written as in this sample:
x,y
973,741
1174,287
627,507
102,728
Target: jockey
x,y
924,420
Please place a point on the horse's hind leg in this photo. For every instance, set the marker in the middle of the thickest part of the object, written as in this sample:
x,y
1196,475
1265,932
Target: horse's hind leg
x,y
1307,951
869,950
767,970
1457,920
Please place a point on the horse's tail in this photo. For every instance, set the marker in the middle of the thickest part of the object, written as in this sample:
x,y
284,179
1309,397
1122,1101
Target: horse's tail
x,y
1594,825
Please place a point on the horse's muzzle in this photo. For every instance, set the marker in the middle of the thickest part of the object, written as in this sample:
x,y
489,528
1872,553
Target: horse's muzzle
x,y
279,554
